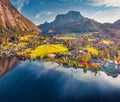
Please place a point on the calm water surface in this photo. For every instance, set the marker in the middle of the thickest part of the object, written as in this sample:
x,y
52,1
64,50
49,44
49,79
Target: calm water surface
x,y
49,82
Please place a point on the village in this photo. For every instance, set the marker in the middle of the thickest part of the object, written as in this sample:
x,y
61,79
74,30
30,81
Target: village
x,y
91,51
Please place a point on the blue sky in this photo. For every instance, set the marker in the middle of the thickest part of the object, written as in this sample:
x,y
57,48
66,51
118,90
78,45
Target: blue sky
x,y
40,11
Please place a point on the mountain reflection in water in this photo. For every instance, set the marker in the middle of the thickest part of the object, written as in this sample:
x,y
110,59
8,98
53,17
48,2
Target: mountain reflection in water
x,y
49,82
7,64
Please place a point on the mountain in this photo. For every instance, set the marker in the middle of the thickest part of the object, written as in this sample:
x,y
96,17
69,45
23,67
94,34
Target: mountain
x,y
12,21
111,29
115,25
70,17
72,22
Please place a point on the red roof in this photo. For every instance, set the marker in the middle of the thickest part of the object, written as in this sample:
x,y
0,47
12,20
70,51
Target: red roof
x,y
83,62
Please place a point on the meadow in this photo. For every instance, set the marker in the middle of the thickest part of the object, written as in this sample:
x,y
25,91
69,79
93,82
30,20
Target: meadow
x,y
43,50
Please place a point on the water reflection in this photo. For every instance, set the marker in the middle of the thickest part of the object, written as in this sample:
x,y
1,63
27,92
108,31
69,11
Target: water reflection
x,y
7,64
43,82
88,76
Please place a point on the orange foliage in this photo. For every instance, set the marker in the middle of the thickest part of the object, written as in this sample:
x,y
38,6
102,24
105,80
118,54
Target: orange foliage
x,y
95,65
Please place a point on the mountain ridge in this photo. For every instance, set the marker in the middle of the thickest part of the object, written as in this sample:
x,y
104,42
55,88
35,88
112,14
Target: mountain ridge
x,y
76,23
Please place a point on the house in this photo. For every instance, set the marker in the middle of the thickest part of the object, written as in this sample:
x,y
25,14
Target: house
x,y
110,65
51,55
77,52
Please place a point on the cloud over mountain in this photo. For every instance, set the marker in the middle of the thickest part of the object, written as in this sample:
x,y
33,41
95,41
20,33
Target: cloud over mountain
x,y
107,3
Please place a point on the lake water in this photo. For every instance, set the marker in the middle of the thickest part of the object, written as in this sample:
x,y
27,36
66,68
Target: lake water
x,y
48,82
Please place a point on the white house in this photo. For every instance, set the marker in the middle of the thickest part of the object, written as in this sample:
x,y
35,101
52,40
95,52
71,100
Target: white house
x,y
111,65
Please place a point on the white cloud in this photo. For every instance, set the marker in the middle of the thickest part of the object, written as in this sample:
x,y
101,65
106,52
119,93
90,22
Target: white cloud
x,y
68,0
107,15
107,3
20,4
39,15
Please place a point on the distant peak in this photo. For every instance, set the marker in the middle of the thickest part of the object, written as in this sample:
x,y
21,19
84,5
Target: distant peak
x,y
73,12
46,22
71,16
118,21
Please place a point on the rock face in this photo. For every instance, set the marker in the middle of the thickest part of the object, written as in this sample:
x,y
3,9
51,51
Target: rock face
x,y
72,22
12,21
70,17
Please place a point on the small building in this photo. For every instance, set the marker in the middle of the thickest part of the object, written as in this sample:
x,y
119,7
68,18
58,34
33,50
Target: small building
x,y
77,52
110,64
51,55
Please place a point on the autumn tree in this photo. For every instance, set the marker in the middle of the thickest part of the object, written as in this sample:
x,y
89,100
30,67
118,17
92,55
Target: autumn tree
x,y
86,57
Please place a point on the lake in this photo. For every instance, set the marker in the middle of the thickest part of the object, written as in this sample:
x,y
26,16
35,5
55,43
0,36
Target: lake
x,y
49,82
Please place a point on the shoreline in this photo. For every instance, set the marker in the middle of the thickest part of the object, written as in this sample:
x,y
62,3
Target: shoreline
x,y
113,73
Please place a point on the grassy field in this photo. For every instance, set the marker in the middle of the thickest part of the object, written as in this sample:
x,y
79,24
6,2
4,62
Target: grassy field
x,y
106,42
8,46
43,50
22,44
66,38
48,49
91,40
91,49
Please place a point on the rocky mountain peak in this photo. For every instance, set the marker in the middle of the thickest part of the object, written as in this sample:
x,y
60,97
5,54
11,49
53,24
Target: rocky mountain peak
x,y
74,13
12,21
71,16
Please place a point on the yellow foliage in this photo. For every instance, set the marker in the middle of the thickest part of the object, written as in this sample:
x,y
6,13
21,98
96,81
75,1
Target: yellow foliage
x,y
119,52
22,44
91,49
95,65
48,49
24,37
